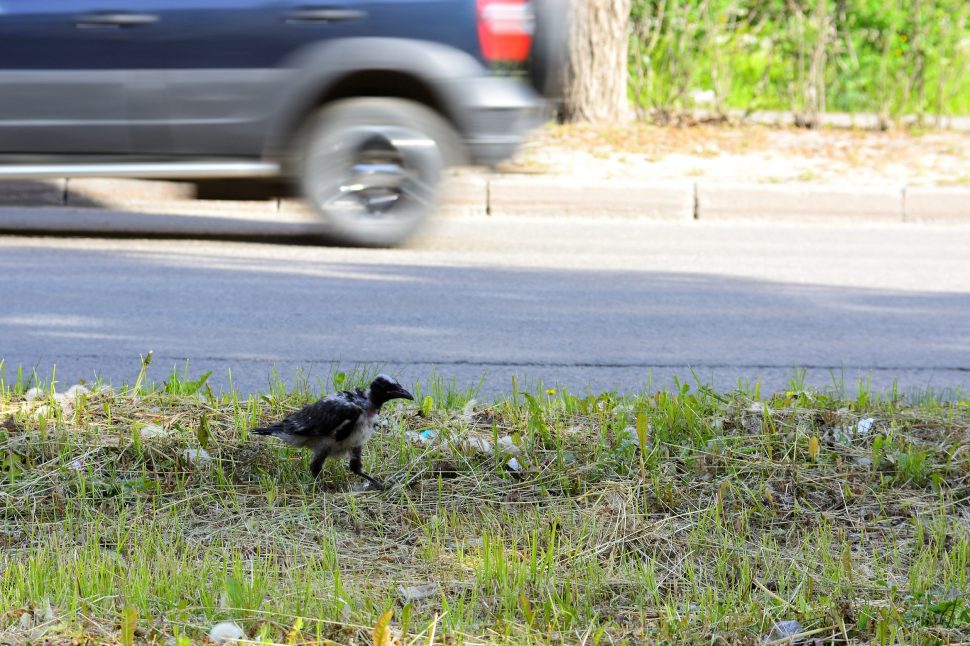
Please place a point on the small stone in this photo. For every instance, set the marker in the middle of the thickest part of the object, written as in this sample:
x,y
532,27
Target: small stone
x,y
443,469
10,424
225,632
514,465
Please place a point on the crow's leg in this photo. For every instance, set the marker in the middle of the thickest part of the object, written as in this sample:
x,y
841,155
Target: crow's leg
x,y
357,467
317,462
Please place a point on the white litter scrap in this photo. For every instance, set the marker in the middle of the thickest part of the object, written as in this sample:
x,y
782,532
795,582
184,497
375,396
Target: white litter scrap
x,y
628,437
65,402
200,457
476,445
864,427
702,98
35,393
507,445
76,389
784,630
844,434
225,632
514,465
468,411
427,437
417,592
149,431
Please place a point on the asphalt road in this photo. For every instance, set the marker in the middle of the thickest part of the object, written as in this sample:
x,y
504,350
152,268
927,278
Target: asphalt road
x,y
597,303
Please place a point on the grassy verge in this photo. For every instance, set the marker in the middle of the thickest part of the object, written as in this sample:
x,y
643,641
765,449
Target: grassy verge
x,y
683,516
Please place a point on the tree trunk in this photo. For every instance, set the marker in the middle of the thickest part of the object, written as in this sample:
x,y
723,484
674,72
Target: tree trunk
x,y
596,85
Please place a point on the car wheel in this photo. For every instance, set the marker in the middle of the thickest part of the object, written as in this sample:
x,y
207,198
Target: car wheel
x,y
372,168
550,48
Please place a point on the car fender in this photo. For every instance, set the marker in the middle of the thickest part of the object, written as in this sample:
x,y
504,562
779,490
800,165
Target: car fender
x,y
317,68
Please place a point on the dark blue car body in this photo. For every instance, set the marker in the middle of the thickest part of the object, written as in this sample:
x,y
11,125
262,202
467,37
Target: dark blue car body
x,y
86,82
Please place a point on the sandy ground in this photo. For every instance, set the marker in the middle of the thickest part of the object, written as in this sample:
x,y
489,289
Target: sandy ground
x,y
749,154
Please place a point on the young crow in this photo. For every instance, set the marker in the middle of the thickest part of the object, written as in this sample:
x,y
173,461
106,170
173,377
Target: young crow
x,y
339,424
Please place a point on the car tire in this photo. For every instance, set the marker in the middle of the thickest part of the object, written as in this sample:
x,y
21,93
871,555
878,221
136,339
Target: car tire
x,y
549,54
372,168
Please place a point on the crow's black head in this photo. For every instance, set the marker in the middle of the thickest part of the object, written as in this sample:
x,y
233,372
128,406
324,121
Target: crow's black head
x,y
385,388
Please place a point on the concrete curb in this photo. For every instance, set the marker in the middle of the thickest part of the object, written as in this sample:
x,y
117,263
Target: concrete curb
x,y
512,195
799,202
546,195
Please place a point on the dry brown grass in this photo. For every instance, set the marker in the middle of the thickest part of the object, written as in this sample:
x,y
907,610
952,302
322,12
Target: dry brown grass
x,y
729,513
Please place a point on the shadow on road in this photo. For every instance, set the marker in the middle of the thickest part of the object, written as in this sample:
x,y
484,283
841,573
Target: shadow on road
x,y
249,309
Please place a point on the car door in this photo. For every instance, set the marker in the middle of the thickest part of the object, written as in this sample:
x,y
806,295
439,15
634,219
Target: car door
x,y
63,76
224,66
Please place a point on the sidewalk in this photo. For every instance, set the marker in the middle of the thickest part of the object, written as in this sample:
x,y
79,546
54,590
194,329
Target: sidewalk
x,y
703,173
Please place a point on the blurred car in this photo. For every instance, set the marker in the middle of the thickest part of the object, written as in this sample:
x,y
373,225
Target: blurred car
x,y
362,103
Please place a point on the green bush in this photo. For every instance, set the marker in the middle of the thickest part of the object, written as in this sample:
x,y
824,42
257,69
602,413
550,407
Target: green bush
x,y
888,57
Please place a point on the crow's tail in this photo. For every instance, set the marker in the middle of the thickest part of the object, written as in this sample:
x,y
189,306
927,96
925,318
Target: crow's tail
x,y
267,430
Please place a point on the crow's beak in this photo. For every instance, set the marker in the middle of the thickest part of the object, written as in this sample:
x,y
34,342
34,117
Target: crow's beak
x,y
400,393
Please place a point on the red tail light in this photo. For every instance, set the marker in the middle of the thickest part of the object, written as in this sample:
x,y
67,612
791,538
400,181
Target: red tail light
x,y
505,29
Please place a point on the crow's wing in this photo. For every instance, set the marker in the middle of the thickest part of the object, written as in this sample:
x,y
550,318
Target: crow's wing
x,y
332,416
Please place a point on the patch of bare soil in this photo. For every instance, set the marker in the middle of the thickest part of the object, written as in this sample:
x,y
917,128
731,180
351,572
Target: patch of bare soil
x,y
752,153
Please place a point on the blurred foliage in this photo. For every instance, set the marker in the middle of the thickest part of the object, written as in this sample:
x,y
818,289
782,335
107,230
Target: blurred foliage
x,y
887,57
